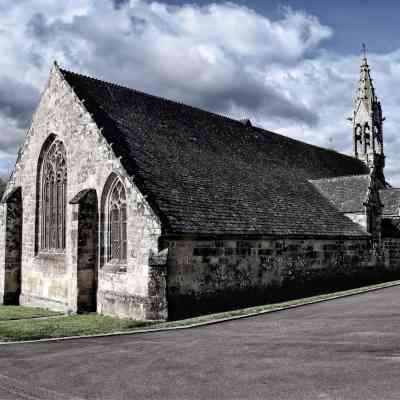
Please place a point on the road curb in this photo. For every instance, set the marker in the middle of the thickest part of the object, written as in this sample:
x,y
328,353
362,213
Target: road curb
x,y
214,321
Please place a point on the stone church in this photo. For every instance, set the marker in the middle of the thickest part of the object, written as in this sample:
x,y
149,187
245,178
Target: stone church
x,y
132,205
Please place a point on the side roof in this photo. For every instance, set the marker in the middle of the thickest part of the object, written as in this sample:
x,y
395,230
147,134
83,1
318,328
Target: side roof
x,y
347,193
208,174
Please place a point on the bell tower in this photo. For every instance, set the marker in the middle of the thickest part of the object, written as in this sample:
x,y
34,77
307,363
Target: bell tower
x,y
367,122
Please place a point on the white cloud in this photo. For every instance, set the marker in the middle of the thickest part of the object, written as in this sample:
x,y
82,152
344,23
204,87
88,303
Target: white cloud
x,y
222,57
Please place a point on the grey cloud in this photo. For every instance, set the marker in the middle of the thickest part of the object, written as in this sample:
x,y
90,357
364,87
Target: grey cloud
x,y
7,5
39,28
11,139
17,101
278,105
37,59
119,3
252,98
138,24
10,142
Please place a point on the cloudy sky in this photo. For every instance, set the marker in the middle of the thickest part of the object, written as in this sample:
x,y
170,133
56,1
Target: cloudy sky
x,y
289,66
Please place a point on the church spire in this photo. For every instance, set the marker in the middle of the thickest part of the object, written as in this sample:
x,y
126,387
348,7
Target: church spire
x,y
368,121
366,91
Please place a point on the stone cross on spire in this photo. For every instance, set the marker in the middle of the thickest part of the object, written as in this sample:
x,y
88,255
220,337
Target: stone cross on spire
x,y
368,121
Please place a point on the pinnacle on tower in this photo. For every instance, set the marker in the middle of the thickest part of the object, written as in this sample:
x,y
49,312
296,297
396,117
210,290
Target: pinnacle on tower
x,y
367,120
366,91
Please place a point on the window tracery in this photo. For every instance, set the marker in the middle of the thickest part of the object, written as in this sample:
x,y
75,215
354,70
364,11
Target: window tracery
x,y
117,216
53,198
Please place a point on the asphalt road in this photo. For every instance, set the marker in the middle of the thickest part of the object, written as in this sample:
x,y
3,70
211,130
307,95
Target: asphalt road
x,y
342,349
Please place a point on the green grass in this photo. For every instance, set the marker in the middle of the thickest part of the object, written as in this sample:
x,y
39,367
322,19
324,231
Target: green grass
x,y
18,312
76,325
12,329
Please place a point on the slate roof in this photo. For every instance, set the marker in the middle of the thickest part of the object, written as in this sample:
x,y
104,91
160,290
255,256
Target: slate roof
x,y
208,174
391,201
347,193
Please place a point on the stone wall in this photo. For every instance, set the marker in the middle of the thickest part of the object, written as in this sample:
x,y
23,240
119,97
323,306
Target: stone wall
x,y
391,247
51,280
213,275
391,242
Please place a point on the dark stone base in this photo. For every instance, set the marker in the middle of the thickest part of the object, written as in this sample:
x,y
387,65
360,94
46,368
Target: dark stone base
x,y
11,299
184,306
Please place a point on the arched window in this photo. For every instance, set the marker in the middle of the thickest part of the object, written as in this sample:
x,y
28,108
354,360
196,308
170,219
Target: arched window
x,y
358,132
116,241
367,137
357,138
53,197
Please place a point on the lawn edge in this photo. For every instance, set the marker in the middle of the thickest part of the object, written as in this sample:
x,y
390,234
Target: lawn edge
x,y
337,295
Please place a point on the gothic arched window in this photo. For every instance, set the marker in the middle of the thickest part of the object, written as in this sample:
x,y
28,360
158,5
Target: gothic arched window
x,y
53,198
116,245
358,133
367,137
